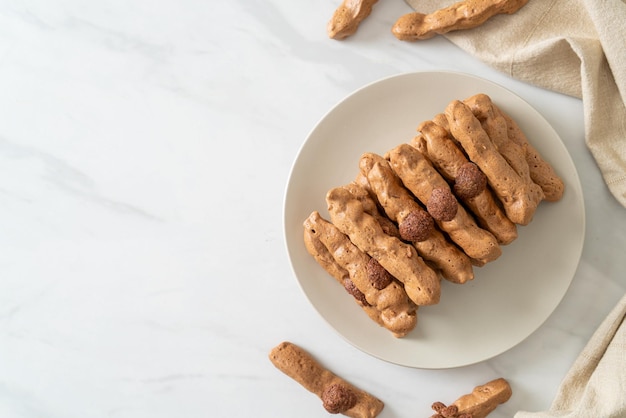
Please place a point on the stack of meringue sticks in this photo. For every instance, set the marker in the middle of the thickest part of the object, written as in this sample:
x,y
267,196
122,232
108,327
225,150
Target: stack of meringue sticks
x,y
433,208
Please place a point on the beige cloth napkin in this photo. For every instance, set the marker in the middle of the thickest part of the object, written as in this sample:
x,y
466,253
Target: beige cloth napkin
x,y
576,47
595,386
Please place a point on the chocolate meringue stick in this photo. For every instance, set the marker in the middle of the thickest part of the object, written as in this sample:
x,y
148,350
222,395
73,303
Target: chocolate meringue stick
x,y
337,395
518,200
367,281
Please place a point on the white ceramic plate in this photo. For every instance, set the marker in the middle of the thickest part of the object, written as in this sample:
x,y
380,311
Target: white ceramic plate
x,y
508,299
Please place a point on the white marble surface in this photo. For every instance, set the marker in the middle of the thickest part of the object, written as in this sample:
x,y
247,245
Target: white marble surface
x,y
144,151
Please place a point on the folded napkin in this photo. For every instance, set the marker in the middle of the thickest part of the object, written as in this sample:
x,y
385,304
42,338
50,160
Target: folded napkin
x,y
575,47
595,386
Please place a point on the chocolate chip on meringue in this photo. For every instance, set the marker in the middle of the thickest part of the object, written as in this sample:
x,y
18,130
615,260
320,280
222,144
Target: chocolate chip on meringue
x,y
469,181
417,226
337,399
442,204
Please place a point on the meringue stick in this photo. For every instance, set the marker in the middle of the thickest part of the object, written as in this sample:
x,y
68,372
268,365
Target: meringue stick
x,y
462,15
541,172
379,289
469,182
512,191
347,18
338,396
496,128
484,399
421,283
325,259
424,182
415,224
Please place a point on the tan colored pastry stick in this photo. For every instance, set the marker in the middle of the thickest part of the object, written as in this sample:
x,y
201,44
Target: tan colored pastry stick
x,y
338,396
518,201
401,207
421,283
423,180
462,15
380,290
484,399
445,155
495,126
541,171
347,17
325,259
